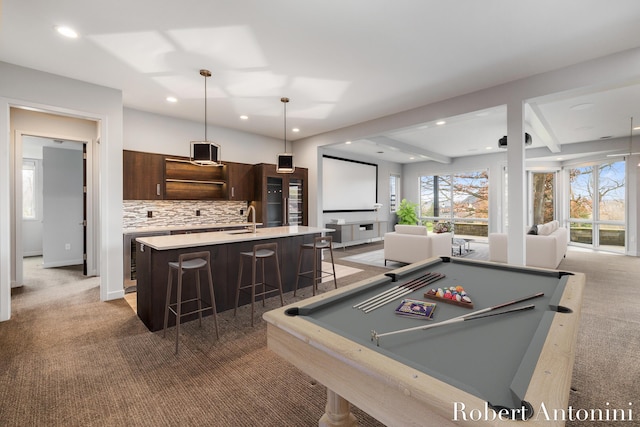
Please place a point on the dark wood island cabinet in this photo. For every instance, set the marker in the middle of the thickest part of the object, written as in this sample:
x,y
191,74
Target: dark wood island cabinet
x,y
154,254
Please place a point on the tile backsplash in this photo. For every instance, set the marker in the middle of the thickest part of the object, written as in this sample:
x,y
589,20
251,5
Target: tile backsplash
x,y
135,213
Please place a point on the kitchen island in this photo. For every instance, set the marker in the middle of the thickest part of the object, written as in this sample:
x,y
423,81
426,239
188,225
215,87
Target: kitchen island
x,y
154,254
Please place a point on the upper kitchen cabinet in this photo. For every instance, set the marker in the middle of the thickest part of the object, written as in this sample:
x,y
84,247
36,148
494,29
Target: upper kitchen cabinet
x,y
187,181
239,181
280,198
143,175
148,176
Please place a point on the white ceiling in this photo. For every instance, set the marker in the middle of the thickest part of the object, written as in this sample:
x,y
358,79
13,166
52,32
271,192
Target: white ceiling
x,y
340,62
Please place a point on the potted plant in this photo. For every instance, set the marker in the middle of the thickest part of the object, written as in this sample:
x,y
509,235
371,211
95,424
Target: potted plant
x,y
443,227
407,213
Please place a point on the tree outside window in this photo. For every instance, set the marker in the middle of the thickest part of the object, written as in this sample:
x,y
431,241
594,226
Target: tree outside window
x,y
29,189
597,205
461,198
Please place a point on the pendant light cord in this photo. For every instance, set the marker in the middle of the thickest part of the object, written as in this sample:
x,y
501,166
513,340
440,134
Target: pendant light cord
x,y
205,74
284,101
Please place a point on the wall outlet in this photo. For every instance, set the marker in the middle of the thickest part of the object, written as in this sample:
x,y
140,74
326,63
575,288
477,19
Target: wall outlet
x,y
241,211
67,246
149,214
197,212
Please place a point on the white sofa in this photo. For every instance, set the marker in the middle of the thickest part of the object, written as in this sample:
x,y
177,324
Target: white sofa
x,y
411,243
544,249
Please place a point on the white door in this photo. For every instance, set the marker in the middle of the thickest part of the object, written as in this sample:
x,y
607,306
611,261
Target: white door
x,y
62,235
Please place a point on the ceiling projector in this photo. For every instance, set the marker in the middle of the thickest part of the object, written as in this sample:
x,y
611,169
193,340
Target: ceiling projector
x,y
502,142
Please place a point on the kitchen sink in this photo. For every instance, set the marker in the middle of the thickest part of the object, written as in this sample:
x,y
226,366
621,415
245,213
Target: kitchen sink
x,y
241,232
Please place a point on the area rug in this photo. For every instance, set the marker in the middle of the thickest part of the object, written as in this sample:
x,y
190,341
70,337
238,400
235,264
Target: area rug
x,y
375,258
341,271
478,250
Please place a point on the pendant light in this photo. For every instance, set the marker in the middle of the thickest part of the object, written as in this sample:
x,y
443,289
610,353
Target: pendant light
x,y
285,160
205,153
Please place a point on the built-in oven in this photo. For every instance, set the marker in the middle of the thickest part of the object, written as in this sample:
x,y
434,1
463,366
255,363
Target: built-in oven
x,y
129,253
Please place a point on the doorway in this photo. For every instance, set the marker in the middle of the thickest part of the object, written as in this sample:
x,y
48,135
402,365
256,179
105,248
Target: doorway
x,y
53,201
73,141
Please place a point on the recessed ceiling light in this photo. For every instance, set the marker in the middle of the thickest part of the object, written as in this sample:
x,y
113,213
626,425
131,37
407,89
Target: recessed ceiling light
x,y
489,148
412,158
347,142
67,31
558,158
295,130
636,128
579,107
172,99
441,122
243,117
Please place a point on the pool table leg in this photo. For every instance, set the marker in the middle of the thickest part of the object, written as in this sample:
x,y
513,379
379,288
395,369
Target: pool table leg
x,y
337,412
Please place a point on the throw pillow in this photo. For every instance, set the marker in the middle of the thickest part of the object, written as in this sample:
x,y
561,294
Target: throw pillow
x,y
545,229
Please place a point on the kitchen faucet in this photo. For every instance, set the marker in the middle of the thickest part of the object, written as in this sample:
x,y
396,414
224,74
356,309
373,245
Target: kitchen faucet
x,y
252,210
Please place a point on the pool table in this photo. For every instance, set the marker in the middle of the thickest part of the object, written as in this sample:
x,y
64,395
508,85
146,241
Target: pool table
x,y
496,370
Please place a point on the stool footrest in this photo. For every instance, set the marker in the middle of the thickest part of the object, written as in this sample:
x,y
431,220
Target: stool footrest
x,y
309,274
273,289
171,309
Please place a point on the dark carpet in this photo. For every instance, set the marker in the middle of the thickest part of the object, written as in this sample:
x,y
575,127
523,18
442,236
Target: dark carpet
x,y
67,359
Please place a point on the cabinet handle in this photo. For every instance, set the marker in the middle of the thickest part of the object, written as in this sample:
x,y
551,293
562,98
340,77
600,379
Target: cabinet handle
x,y
195,181
285,211
233,193
157,189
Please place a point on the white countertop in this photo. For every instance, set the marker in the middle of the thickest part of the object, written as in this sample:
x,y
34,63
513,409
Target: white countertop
x,y
169,228
177,241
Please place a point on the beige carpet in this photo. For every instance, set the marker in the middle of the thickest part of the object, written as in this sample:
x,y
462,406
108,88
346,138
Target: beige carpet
x,y
67,359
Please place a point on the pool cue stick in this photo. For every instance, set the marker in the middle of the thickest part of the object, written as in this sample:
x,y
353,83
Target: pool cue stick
x,y
370,307
401,289
390,290
455,320
376,336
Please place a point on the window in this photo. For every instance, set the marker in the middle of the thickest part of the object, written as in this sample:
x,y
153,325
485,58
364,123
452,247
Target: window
x,y
394,192
543,194
29,189
597,205
461,198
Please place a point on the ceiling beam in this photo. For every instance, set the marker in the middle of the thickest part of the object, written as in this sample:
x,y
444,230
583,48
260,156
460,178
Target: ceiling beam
x,y
541,127
409,149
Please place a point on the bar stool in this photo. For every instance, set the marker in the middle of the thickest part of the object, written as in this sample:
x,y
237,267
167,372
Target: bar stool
x,y
260,253
195,262
319,243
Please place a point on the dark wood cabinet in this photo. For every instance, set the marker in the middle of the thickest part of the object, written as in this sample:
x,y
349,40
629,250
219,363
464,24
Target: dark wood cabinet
x,y
187,181
150,176
240,181
280,198
143,175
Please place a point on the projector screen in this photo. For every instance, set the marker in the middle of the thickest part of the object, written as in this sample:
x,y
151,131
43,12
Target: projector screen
x,y
348,185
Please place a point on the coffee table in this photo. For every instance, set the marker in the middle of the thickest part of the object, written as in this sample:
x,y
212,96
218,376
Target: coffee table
x,y
459,244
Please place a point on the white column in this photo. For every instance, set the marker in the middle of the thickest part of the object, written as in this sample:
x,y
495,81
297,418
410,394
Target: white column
x,y
516,186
